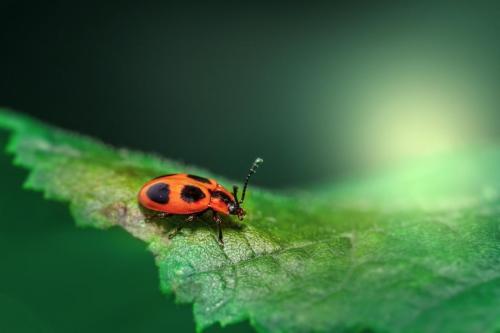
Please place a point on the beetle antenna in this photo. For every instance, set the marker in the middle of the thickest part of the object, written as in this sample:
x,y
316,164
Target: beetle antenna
x,y
235,194
253,169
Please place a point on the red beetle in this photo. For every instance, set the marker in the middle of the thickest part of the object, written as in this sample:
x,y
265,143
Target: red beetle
x,y
185,194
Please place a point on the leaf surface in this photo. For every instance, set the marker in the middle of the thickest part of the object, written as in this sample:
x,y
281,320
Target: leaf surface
x,y
414,250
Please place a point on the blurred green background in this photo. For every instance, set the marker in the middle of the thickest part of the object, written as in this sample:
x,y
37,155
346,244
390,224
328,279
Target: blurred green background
x,y
322,91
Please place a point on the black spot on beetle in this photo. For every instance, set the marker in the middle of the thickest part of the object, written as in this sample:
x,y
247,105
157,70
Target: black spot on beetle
x,y
221,195
191,193
167,175
200,179
158,193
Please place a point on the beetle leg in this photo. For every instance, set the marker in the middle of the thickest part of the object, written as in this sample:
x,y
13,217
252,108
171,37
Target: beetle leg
x,y
188,219
176,231
148,217
218,220
155,216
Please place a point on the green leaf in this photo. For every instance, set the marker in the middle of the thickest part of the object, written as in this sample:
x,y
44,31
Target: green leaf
x,y
414,250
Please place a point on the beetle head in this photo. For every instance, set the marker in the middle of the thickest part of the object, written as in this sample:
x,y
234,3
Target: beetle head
x,y
235,208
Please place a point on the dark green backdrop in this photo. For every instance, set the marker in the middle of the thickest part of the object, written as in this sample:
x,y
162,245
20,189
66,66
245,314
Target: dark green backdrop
x,y
321,91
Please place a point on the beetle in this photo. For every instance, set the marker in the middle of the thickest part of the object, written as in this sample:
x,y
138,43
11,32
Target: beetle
x,y
191,195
